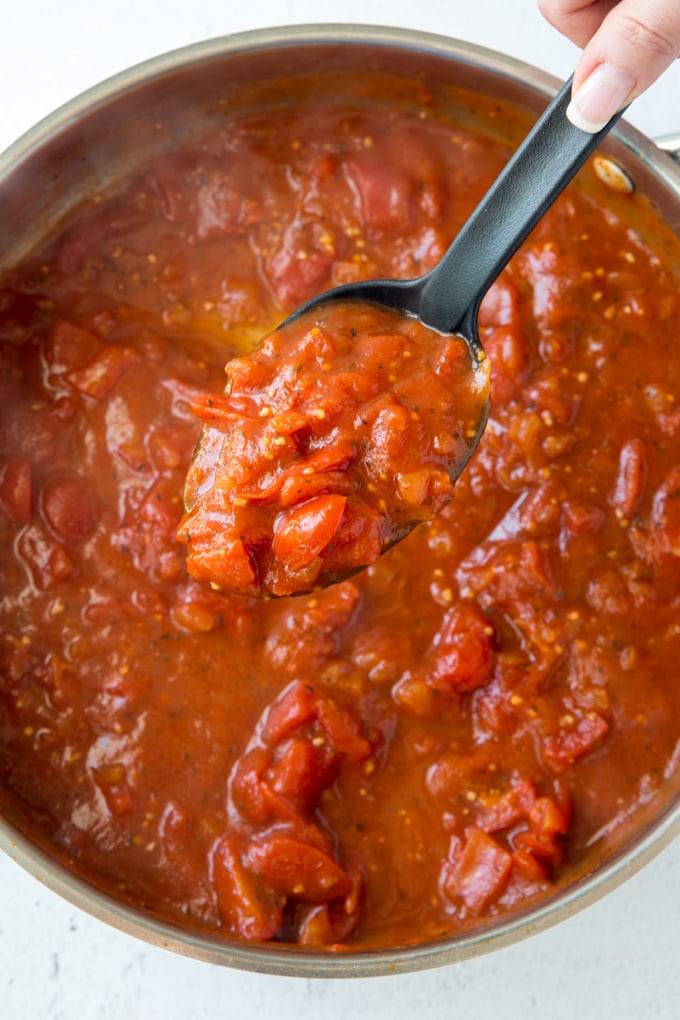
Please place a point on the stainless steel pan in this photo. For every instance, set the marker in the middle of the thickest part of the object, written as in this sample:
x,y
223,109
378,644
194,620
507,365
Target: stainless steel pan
x,y
95,139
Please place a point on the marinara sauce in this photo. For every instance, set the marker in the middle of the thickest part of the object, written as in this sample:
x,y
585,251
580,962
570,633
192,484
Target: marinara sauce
x,y
445,737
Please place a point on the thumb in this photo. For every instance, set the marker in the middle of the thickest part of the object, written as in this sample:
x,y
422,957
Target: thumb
x,y
635,43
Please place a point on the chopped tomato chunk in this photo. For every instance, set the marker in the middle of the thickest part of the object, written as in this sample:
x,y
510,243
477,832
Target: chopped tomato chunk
x,y
295,706
298,870
576,739
305,531
479,873
462,652
98,377
343,730
16,490
249,906
630,478
302,772
70,507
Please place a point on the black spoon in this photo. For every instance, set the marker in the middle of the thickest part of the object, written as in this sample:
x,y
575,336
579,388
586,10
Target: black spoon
x,y
448,297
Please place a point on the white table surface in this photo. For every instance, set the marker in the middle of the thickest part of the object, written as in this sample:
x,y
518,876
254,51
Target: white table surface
x,y
619,959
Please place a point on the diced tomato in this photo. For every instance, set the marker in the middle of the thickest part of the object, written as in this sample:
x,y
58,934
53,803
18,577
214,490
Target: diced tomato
x,y
359,540
462,654
630,478
375,354
526,865
222,207
515,804
335,455
479,873
285,423
608,593
229,567
330,924
414,486
544,848
303,262
450,772
549,394
161,505
16,491
494,714
305,531
98,377
547,819
241,300
48,561
302,772
506,350
385,190
294,707
215,409
296,869
582,517
343,729
194,617
297,488
665,517
537,514
249,906
112,780
172,447
175,829
388,437
68,345
305,632
561,750
70,506
252,795
415,694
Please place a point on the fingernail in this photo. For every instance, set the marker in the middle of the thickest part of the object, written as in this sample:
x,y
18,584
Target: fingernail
x,y
604,92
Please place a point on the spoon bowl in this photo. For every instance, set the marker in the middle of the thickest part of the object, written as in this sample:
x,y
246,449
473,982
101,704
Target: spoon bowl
x,y
342,431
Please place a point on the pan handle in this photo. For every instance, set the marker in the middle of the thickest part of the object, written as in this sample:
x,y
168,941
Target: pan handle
x,y
670,144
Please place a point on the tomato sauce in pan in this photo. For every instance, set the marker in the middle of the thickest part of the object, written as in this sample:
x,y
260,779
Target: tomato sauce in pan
x,y
449,735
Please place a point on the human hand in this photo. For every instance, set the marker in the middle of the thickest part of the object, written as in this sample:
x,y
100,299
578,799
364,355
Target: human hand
x,y
627,45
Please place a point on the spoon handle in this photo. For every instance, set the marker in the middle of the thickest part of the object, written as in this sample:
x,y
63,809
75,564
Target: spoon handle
x,y
544,163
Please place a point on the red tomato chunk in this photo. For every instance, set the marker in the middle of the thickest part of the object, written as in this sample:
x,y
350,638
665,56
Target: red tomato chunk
x,y
335,437
477,719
